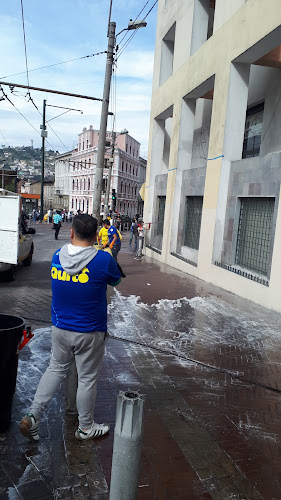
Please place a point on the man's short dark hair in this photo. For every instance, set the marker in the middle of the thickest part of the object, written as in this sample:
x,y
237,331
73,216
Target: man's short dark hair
x,y
85,226
106,222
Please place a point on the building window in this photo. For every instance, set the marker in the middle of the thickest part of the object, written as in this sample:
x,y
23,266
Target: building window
x,y
203,23
89,184
83,145
167,54
122,166
160,215
77,184
73,185
87,143
84,184
253,130
126,148
126,168
255,234
192,224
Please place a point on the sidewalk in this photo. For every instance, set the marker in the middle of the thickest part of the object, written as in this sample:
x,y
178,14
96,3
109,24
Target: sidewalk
x,y
209,364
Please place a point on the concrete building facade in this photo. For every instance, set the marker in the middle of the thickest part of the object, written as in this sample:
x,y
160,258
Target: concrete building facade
x,y
62,186
124,176
214,160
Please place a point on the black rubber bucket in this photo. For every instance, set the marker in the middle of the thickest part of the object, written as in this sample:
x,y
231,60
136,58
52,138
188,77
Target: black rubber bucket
x,y
11,331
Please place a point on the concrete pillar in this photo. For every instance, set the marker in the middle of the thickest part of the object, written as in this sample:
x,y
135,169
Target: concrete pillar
x,y
200,24
224,10
156,162
233,143
186,133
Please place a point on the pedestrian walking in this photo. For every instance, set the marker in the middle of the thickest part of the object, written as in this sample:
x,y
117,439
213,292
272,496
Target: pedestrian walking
x,y
57,224
50,216
103,236
114,242
79,326
113,239
140,240
134,233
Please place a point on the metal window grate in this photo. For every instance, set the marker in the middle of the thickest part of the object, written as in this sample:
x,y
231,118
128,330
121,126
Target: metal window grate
x,y
253,130
255,234
160,215
193,216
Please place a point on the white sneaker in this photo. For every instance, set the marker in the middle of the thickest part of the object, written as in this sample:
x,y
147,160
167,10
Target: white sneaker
x,y
96,430
29,427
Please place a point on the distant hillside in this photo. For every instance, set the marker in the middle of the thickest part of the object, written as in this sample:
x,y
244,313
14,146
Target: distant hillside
x,y
27,161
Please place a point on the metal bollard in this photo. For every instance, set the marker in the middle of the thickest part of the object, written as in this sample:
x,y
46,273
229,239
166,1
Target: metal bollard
x,y
127,446
71,388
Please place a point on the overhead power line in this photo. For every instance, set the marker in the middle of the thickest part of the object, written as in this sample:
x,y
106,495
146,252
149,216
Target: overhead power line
x,y
134,33
25,51
124,36
56,64
9,100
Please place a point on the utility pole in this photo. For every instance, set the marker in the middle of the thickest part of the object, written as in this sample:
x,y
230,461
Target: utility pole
x,y
111,161
43,135
103,124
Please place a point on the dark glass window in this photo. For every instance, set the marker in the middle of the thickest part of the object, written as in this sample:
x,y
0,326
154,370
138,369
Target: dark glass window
x,y
253,130
160,215
192,226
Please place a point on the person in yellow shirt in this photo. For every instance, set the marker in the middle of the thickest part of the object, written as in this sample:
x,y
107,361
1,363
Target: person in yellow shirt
x,y
103,236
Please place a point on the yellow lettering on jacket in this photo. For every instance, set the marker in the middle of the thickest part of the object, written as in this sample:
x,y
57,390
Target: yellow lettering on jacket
x,y
83,277
54,273
63,276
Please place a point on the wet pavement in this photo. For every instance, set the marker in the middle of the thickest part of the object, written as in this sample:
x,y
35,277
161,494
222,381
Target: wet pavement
x,y
208,362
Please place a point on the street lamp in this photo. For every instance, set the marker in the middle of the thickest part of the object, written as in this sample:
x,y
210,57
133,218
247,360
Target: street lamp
x,y
111,161
132,25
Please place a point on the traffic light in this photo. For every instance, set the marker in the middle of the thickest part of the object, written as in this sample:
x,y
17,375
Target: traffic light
x,y
113,196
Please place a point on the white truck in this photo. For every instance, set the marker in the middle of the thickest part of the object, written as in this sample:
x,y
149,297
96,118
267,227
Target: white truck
x,y
15,244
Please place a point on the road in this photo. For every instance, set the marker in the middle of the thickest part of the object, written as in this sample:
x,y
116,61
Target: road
x,y
208,362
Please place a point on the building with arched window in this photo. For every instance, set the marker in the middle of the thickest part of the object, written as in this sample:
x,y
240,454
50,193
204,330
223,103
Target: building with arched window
x,y
124,175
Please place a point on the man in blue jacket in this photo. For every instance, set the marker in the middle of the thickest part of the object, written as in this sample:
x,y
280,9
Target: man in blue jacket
x,y
80,275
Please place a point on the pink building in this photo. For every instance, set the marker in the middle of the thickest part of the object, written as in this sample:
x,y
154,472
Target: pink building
x,y
125,176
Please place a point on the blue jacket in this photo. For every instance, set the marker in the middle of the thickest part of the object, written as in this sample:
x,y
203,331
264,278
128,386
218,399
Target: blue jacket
x,y
79,301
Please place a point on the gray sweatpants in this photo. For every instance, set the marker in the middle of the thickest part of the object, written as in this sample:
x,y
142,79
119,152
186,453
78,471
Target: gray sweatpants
x,y
88,349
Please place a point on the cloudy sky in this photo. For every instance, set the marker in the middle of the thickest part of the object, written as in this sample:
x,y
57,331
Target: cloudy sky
x,y
63,30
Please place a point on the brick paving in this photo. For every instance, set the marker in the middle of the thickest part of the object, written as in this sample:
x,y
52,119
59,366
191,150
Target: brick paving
x,y
210,370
